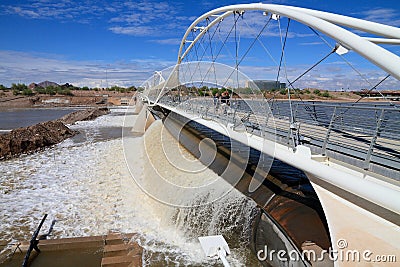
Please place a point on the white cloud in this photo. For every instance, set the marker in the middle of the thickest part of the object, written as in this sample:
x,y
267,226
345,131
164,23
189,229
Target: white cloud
x,y
148,18
312,43
382,15
60,10
137,18
170,41
329,76
26,68
133,30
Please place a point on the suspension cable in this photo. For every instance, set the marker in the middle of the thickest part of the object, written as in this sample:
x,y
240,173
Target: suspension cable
x,y
261,43
310,68
292,127
249,48
236,55
222,46
283,49
358,100
357,71
210,38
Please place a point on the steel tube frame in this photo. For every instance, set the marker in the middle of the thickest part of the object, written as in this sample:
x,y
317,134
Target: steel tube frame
x,y
322,21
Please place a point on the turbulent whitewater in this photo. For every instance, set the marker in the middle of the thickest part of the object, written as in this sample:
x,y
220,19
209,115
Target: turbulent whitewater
x,y
85,185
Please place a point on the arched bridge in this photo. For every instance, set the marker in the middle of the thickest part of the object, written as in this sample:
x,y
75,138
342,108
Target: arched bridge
x,y
349,150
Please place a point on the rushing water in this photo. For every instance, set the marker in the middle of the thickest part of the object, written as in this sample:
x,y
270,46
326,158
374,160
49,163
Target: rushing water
x,y
84,184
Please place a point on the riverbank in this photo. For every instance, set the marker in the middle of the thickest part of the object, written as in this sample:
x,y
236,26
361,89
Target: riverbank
x,y
78,98
32,138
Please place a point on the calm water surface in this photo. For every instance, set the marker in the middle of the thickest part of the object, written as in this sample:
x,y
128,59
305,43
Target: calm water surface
x,y
15,118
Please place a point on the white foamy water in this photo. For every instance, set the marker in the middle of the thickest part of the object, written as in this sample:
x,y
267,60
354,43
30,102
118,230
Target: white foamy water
x,y
84,183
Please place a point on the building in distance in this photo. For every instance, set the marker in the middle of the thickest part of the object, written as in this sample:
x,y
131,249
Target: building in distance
x,y
266,85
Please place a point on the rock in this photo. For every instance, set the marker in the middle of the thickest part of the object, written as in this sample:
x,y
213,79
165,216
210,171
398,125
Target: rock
x,y
32,138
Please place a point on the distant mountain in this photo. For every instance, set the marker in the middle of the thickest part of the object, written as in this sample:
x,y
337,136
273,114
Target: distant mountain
x,y
47,84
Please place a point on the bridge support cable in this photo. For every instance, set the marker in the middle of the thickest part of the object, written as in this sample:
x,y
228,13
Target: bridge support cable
x,y
210,38
325,24
261,43
283,49
225,40
361,97
248,50
236,54
220,49
232,29
362,76
197,56
313,66
293,132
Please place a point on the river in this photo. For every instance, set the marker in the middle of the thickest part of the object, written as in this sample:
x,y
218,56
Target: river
x,y
85,185
22,117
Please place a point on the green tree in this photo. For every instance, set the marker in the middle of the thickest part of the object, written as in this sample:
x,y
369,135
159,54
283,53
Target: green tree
x,y
3,88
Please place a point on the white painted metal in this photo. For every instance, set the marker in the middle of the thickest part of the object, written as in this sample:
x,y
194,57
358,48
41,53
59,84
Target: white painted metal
x,y
354,23
215,246
323,22
215,21
383,40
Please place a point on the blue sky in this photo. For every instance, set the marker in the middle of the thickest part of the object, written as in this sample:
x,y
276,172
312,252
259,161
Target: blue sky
x,y
85,42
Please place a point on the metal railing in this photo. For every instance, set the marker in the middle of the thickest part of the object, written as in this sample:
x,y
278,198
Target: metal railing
x,y
363,135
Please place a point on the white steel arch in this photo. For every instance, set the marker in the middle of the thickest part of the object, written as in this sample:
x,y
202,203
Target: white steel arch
x,y
322,21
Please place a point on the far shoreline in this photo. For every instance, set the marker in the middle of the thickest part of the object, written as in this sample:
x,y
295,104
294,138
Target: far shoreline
x,y
91,99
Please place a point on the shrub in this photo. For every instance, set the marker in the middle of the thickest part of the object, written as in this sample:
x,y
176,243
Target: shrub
x,y
19,86
283,91
27,92
317,92
325,94
131,88
66,92
40,90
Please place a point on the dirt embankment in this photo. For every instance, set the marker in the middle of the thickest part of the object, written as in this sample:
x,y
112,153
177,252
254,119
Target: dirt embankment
x,y
83,115
32,138
79,98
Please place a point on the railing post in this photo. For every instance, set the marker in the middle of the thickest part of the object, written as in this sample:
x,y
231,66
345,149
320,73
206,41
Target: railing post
x,y
294,128
265,126
328,132
373,141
